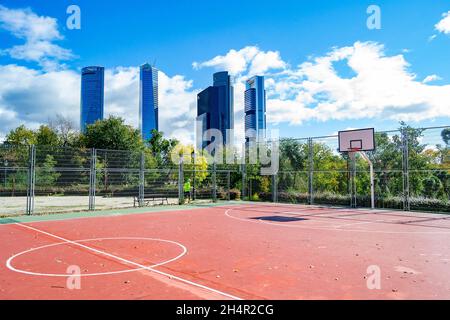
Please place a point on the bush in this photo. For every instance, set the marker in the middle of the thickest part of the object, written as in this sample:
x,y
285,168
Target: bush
x,y
221,194
255,197
235,194
326,198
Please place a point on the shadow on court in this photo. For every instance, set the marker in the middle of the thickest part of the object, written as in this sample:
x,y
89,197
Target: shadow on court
x,y
279,219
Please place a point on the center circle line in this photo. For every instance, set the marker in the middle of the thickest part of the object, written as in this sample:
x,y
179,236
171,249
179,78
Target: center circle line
x,y
12,268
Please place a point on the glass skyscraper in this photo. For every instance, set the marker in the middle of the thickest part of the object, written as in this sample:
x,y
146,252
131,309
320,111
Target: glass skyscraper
x,y
92,95
255,108
215,107
148,101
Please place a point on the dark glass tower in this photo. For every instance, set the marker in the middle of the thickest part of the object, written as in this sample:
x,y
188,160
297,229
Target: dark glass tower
x,y
92,95
148,101
215,107
255,108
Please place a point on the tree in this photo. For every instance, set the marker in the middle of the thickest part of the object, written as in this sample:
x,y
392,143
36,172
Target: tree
x,y
293,160
46,136
433,187
330,166
293,155
161,148
45,175
200,163
65,129
20,136
17,146
112,134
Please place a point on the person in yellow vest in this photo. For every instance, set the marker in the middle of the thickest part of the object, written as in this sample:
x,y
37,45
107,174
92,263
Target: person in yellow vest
x,y
187,190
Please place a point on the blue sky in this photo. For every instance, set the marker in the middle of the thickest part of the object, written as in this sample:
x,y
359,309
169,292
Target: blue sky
x,y
124,34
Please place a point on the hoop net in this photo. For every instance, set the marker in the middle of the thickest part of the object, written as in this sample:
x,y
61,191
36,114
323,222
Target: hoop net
x,y
354,150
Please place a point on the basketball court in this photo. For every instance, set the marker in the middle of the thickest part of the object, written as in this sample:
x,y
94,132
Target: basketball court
x,y
227,251
231,250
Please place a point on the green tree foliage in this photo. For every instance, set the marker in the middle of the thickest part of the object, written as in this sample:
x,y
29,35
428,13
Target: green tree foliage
x,y
21,136
58,145
433,187
16,143
46,136
293,154
161,148
112,134
330,165
331,169
46,176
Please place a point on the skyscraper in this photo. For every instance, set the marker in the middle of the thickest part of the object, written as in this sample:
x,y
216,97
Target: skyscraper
x,y
148,101
92,95
215,107
255,108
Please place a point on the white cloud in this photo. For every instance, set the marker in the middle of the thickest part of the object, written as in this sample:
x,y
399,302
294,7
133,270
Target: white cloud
x,y
381,86
39,33
431,78
177,107
444,25
32,97
250,60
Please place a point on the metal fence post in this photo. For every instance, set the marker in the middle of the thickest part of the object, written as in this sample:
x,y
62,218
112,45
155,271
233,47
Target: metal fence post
x,y
180,182
243,169
275,188
311,171
31,180
92,179
405,166
195,176
214,181
353,195
244,181
141,180
228,185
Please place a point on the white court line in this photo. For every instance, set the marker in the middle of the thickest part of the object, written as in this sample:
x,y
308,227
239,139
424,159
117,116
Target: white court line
x,y
369,222
331,219
356,223
170,276
10,266
328,228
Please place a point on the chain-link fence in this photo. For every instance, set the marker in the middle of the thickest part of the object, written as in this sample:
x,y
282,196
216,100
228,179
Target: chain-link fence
x,y
41,179
411,172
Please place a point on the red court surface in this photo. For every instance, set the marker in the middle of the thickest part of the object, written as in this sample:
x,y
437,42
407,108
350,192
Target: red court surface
x,y
250,251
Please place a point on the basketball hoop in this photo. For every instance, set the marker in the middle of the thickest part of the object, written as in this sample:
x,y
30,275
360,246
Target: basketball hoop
x,y
354,150
355,142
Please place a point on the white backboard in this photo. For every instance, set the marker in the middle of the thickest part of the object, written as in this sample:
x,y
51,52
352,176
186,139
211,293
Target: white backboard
x,y
362,139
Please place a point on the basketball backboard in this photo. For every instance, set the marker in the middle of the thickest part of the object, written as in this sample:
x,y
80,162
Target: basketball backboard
x,y
359,140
